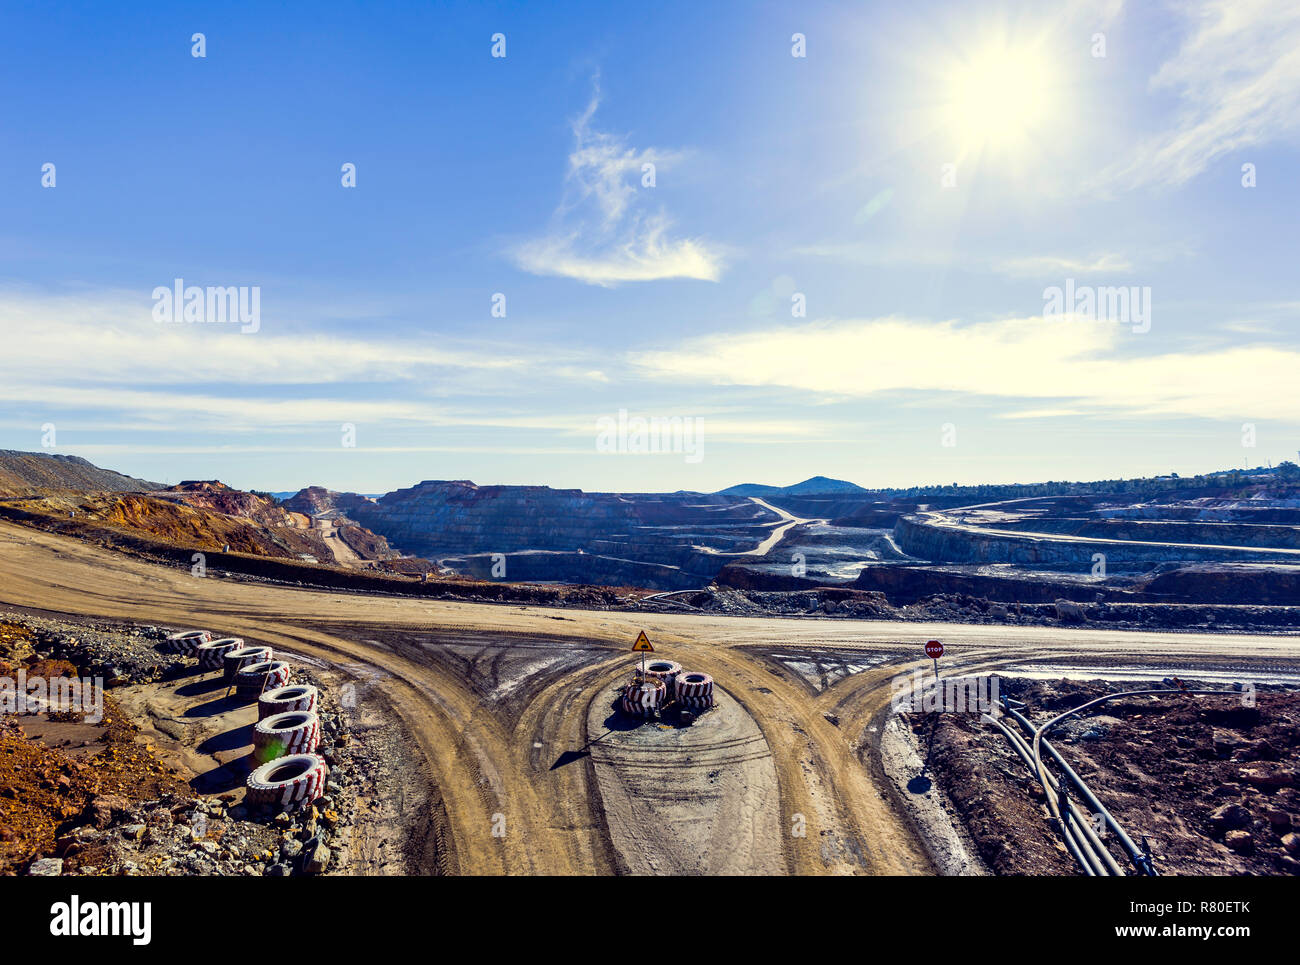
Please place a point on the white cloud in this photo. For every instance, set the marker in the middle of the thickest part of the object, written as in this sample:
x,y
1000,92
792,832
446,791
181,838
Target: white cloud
x,y
1237,79
599,236
111,337
1090,364
102,355
97,361
645,254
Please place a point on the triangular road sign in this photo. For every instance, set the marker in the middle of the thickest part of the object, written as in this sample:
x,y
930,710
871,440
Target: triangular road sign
x,y
642,644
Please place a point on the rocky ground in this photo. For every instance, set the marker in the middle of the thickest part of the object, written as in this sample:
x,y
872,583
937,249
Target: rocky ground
x,y
78,798
1212,784
120,655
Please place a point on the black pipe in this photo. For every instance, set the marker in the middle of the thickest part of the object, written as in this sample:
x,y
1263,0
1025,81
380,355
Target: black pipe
x,y
1141,860
1079,850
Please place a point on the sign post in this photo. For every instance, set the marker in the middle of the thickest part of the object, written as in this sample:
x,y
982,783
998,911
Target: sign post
x,y
934,650
642,646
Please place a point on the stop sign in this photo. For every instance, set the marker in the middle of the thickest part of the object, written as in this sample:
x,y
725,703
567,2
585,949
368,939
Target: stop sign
x,y
934,649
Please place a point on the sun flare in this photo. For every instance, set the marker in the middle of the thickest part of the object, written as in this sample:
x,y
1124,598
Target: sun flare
x,y
999,99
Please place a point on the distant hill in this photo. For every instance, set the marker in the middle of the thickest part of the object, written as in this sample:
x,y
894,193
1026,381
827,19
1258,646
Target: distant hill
x,y
821,484
315,500
749,489
815,486
21,473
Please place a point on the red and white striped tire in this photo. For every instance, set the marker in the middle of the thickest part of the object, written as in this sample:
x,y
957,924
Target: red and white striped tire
x,y
295,732
235,660
187,641
257,678
632,709
210,653
284,699
641,698
287,782
692,684
665,670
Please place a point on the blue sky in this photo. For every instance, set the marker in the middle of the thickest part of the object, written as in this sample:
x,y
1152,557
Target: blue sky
x,y
920,177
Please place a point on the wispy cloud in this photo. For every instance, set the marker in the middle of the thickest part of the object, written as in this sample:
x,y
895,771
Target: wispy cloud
x,y
1035,266
599,234
1237,80
1089,364
97,362
101,352
110,337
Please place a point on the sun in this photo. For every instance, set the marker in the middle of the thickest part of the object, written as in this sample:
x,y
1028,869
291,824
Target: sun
x,y
999,99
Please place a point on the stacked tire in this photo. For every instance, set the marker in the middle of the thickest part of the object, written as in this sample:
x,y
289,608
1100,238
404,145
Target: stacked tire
x,y
695,691
187,641
210,654
293,733
665,670
255,679
287,783
235,660
643,697
281,700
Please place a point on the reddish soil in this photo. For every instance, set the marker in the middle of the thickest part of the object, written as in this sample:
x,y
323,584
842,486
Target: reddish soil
x,y
58,773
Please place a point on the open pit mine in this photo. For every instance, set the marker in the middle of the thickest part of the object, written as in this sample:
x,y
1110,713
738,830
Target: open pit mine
x,y
1090,679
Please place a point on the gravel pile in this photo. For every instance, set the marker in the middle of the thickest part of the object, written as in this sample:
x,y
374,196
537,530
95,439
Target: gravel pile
x,y
120,655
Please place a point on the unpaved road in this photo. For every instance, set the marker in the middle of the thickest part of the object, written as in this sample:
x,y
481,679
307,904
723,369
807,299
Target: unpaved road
x,y
500,705
343,553
947,519
782,526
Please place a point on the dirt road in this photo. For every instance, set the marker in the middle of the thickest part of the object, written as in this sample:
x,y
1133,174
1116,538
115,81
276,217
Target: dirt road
x,y
504,708
343,553
782,526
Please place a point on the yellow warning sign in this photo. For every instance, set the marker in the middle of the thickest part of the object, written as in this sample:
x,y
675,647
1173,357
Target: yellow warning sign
x,y
642,644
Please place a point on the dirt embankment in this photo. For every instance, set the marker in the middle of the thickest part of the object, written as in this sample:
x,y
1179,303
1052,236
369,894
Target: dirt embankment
x,y
173,522
391,577
24,473
1213,785
198,516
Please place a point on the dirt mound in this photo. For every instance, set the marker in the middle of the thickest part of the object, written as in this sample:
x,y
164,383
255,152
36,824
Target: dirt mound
x,y
203,524
204,516
24,473
315,500
209,515
216,497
